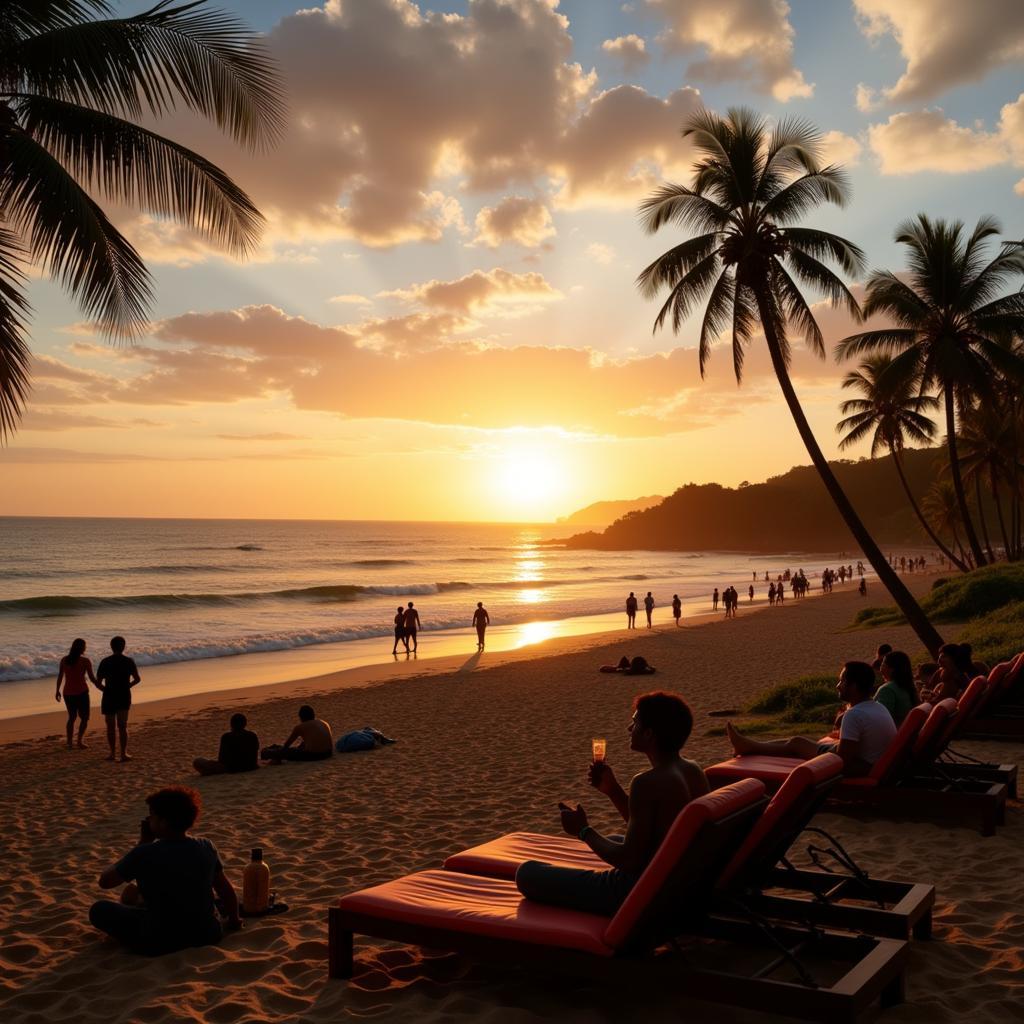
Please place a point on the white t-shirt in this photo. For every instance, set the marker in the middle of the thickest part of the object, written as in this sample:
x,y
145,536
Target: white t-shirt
x,y
871,724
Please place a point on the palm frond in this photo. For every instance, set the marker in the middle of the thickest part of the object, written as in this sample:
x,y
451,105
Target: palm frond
x,y
680,205
806,193
820,277
668,268
823,245
14,352
717,315
889,295
744,320
174,52
688,291
892,339
70,236
130,164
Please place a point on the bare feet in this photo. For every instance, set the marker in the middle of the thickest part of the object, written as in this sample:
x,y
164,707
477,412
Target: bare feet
x,y
740,744
125,757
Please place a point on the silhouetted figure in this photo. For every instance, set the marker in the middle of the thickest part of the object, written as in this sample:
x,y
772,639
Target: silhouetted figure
x,y
400,636
313,736
74,669
239,751
863,588
116,676
771,595
648,607
677,608
631,606
411,624
481,620
750,592
714,600
660,727
167,903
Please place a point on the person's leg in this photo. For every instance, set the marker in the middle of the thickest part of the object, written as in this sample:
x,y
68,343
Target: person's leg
x,y
83,723
205,766
72,714
594,892
795,746
273,753
124,923
122,730
111,724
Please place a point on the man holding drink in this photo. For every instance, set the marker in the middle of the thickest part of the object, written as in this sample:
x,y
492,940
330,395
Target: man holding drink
x,y
659,728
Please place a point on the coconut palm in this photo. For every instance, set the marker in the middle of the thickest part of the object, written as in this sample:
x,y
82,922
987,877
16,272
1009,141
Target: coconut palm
x,y
745,255
948,311
74,83
891,411
941,507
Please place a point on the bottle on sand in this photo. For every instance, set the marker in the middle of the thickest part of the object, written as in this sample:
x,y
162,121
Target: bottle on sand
x,y
256,884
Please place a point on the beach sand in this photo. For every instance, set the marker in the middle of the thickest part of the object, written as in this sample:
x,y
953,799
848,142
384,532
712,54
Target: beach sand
x,y
486,745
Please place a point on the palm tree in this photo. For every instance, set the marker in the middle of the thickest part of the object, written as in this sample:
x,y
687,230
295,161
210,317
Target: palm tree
x,y
74,82
750,187
941,507
949,313
892,410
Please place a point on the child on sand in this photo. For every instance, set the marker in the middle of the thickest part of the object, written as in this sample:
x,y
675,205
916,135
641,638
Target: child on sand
x,y
170,906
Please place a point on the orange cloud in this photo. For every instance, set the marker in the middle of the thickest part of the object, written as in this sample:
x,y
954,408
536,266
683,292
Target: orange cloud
x,y
527,222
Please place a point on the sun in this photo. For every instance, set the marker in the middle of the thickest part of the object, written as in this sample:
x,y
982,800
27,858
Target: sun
x,y
529,482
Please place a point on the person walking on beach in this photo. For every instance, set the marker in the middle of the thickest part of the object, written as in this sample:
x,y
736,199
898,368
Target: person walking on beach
x,y
313,736
648,607
631,607
116,676
74,669
239,751
750,591
400,631
481,620
677,608
659,729
169,879
714,600
411,624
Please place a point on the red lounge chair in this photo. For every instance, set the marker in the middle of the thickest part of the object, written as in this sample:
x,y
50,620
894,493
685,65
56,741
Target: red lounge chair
x,y
488,917
893,784
1002,714
759,871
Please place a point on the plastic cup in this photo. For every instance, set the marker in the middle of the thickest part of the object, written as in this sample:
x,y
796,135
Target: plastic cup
x,y
598,749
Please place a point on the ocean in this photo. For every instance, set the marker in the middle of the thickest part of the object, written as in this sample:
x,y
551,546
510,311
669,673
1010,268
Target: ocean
x,y
181,590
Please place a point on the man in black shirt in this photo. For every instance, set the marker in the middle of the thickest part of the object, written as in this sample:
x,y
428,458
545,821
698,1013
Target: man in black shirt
x,y
171,904
239,751
116,676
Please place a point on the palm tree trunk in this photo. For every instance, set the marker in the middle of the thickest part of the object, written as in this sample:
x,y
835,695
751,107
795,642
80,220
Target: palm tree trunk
x,y
920,515
981,517
904,599
1007,549
958,482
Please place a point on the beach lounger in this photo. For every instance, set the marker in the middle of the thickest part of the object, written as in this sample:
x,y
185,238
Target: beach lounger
x,y
758,966
759,875
1001,716
894,784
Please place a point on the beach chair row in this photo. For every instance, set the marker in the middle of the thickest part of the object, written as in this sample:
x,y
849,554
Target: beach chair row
x,y
743,926
1000,712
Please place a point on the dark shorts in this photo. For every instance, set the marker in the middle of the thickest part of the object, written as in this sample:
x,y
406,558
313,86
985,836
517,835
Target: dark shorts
x,y
77,704
115,700
831,747
399,632
144,932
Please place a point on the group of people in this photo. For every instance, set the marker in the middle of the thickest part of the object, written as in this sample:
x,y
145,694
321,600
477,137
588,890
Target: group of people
x,y
407,627
115,677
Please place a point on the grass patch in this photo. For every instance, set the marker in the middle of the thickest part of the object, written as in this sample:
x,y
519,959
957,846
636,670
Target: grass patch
x,y
808,699
997,636
773,727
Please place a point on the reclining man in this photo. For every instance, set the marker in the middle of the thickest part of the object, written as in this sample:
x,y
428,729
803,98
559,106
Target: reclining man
x,y
659,728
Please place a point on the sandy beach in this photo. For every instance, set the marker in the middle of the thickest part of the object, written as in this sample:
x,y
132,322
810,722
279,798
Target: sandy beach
x,y
487,744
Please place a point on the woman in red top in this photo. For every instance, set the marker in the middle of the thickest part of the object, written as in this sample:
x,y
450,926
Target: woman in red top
x,y
75,667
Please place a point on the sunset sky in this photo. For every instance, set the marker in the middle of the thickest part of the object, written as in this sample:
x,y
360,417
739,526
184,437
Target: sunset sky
x,y
442,322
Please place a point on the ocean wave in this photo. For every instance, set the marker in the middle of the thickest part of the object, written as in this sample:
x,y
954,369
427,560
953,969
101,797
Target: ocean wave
x,y
379,563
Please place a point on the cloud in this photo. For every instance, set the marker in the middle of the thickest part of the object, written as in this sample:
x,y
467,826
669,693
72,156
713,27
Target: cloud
x,y
927,140
481,290
631,50
351,300
600,253
745,40
273,436
519,219
944,42
839,148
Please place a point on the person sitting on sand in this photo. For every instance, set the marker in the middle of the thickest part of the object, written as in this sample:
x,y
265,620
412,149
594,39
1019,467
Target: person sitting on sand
x,y
952,677
923,676
74,669
313,736
116,676
865,731
659,728
239,751
898,692
366,738
169,879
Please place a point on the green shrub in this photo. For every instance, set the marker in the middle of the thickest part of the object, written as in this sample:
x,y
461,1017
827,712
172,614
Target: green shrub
x,y
808,699
997,636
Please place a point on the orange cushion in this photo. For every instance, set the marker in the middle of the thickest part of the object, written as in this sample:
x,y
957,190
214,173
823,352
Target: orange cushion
x,y
501,857
926,743
891,763
473,905
705,809
790,801
772,771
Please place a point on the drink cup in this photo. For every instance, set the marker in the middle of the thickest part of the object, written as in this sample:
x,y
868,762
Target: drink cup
x,y
598,748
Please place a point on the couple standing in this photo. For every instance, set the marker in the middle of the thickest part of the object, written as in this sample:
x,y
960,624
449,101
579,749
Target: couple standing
x,y
407,624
